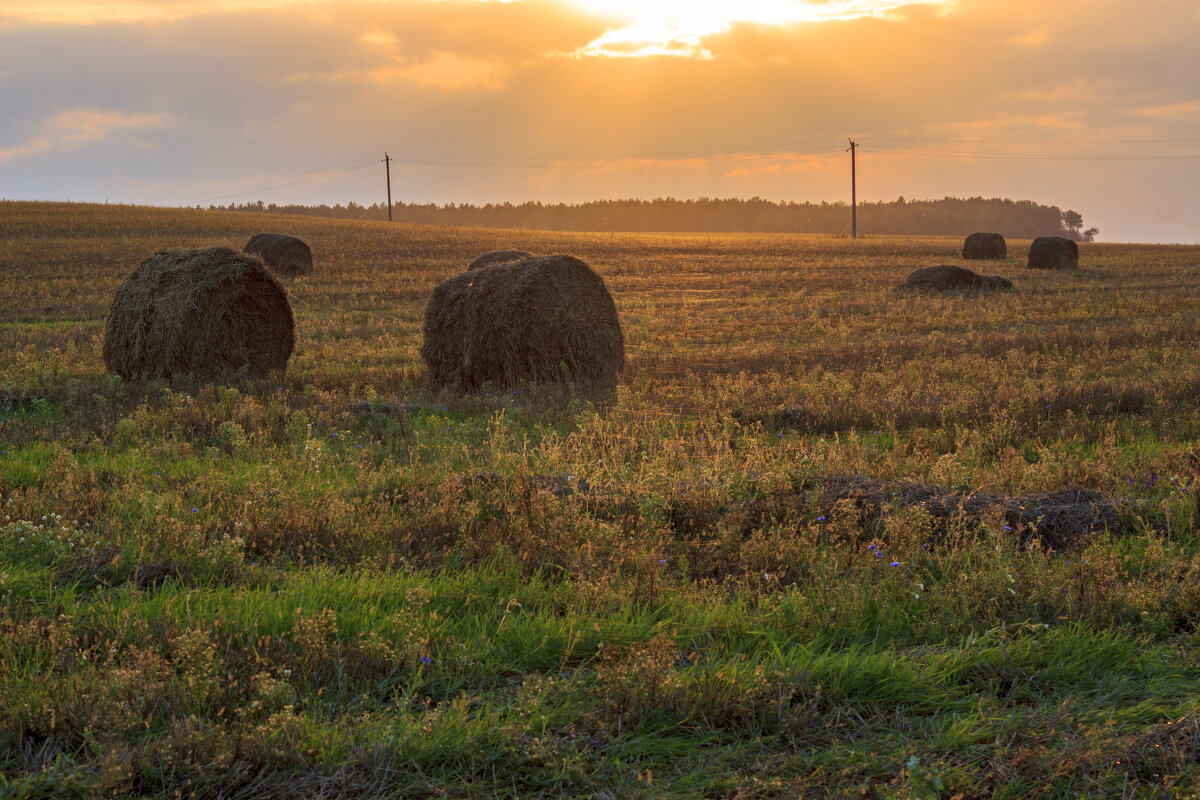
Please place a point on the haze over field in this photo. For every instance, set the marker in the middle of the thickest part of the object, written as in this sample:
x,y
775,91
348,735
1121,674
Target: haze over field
x,y
1085,105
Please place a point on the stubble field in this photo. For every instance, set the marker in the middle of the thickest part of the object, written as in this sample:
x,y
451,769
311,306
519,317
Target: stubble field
x,y
828,540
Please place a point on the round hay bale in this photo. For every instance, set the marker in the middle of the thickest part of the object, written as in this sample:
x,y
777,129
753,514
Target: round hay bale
x,y
948,278
286,255
985,247
497,257
540,319
206,313
1053,252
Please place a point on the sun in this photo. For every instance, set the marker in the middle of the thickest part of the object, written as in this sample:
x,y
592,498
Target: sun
x,y
678,27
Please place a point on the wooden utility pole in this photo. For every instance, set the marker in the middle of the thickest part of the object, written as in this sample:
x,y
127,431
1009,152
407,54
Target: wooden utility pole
x,y
387,165
853,192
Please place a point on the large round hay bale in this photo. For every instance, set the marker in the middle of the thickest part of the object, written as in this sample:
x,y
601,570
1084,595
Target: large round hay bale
x,y
1053,252
949,278
541,319
985,246
206,313
286,255
497,257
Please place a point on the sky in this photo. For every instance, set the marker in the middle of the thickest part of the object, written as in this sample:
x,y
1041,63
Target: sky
x,y
1092,105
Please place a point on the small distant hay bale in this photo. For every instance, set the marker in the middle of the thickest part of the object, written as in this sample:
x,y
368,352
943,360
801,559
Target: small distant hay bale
x,y
206,313
985,247
1053,252
286,255
540,319
494,257
948,278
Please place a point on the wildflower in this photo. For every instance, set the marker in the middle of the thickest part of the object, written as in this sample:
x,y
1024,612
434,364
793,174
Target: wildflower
x,y
426,660
1008,527
894,564
821,518
194,511
879,554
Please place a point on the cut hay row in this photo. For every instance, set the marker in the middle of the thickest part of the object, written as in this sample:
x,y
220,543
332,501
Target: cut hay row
x,y
204,313
948,278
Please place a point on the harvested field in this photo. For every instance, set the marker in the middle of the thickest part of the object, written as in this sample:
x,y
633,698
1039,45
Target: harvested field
x,y
827,539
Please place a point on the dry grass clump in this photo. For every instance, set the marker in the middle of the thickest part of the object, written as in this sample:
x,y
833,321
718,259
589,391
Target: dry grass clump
x,y
200,312
1053,252
984,246
947,278
493,257
541,319
1058,519
286,255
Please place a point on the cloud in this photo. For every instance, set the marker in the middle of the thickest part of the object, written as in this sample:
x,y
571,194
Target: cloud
x,y
74,128
95,12
680,28
283,88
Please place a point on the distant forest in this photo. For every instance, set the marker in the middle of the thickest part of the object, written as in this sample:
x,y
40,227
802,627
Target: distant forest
x,y
1019,219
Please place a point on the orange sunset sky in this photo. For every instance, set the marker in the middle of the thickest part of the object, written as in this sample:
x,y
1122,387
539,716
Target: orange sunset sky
x,y
1092,105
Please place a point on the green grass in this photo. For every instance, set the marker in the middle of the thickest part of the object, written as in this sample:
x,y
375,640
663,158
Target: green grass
x,y
339,582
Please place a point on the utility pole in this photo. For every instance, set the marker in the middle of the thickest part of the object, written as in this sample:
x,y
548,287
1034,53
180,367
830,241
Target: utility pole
x,y
853,192
387,165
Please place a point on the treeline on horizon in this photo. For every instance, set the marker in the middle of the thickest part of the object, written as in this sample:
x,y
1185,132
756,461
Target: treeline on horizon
x,y
1019,219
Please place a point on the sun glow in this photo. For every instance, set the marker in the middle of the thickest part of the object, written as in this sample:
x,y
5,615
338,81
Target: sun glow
x,y
679,27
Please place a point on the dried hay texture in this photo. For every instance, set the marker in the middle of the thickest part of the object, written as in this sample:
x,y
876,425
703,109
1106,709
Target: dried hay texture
x,y
286,255
494,257
947,278
1058,519
1053,252
206,313
985,246
541,319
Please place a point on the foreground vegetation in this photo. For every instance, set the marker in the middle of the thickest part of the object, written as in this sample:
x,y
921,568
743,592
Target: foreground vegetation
x,y
336,584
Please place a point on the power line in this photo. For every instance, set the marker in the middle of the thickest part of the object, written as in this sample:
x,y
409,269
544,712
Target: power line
x,y
283,181
943,153
1034,141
